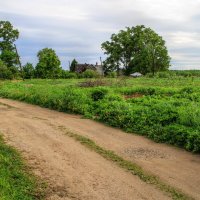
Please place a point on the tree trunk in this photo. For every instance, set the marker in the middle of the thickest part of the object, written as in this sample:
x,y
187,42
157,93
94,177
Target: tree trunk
x,y
20,65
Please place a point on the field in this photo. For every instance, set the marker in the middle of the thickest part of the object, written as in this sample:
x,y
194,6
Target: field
x,y
163,109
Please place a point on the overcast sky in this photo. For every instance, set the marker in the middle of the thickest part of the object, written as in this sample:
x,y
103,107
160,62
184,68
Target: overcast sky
x,y
76,28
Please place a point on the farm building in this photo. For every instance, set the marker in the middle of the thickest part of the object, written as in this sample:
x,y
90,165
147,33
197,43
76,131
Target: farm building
x,y
80,68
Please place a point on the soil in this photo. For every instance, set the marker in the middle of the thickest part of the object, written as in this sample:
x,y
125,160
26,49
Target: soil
x,y
74,172
133,96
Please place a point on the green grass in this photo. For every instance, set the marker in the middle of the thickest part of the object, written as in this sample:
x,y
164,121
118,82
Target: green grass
x,y
16,181
133,168
167,111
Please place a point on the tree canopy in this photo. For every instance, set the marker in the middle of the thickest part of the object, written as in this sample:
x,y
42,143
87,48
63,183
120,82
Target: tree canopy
x,y
73,65
8,35
136,49
28,71
48,65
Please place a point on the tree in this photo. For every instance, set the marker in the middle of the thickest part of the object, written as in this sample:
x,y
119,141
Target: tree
x,y
136,49
110,65
5,72
28,71
73,65
8,35
48,65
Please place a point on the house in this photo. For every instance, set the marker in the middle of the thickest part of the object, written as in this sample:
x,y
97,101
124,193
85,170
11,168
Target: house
x,y
99,69
80,68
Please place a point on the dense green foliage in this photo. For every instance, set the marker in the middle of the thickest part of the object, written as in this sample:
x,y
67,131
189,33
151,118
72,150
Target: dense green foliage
x,y
89,73
166,110
8,56
28,71
15,181
73,65
8,35
48,65
5,72
136,49
111,74
186,73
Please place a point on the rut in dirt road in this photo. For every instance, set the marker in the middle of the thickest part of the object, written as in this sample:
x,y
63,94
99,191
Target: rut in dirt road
x,y
31,129
72,171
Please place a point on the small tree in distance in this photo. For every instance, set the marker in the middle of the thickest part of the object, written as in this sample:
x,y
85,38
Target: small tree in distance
x,y
73,65
28,71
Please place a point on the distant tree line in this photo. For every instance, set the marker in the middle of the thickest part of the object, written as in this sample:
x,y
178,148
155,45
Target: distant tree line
x,y
134,49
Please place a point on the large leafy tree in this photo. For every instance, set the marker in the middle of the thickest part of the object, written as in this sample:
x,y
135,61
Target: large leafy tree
x,y
8,35
48,65
136,49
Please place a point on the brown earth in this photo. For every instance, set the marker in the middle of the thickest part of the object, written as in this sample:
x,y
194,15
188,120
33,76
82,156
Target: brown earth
x,y
74,172
133,96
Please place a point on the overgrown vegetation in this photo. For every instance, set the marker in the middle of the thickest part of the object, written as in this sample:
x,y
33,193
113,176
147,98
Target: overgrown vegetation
x,y
165,110
16,182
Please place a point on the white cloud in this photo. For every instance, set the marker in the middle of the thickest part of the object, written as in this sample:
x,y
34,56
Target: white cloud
x,y
76,28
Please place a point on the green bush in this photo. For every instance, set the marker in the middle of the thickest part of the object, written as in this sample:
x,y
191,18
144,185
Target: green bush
x,y
5,72
68,74
28,71
111,74
166,74
98,94
89,74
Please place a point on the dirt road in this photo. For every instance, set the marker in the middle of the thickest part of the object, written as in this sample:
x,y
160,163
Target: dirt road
x,y
74,172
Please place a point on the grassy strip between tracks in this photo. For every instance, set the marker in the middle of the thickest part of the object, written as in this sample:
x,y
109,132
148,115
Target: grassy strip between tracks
x,y
133,168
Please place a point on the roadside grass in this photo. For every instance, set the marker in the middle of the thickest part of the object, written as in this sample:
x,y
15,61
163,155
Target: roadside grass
x,y
16,181
133,168
166,110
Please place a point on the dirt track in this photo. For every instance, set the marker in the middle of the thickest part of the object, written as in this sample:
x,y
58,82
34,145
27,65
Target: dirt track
x,y
74,172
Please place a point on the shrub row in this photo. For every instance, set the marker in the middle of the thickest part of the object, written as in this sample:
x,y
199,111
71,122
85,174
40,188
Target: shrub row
x,y
164,119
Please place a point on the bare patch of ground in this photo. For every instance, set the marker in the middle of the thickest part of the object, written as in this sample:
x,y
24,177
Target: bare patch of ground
x,y
144,153
133,96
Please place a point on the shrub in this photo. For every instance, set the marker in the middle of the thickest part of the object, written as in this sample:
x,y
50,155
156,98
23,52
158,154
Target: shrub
x,y
67,74
111,74
166,74
90,74
190,115
5,72
28,71
98,94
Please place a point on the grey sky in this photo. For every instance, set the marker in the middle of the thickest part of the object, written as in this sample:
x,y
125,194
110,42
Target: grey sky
x,y
76,29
